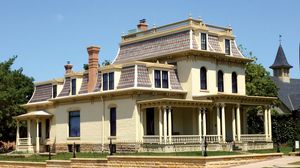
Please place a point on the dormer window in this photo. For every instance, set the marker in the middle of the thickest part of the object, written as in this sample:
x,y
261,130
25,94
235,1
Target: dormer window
x,y
203,41
227,46
108,81
54,91
161,79
73,84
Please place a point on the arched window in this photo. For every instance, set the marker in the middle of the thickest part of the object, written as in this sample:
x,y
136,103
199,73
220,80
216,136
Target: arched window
x,y
234,82
220,81
203,78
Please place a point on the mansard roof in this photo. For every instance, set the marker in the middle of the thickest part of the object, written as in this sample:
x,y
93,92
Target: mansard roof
x,y
174,38
280,60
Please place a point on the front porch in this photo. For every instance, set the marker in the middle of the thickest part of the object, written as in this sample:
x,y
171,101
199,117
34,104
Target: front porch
x,y
192,122
38,130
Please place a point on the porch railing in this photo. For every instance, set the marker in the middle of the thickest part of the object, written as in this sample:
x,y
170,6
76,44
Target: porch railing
x,y
23,141
253,137
185,139
151,139
213,138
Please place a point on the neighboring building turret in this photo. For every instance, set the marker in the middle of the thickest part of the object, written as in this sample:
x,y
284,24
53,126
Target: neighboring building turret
x,y
281,67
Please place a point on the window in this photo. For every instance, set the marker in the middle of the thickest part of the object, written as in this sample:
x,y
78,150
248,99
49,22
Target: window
x,y
203,41
161,79
220,81
105,81
234,82
54,91
203,78
165,79
113,118
227,46
111,81
108,81
150,121
47,128
73,83
74,124
157,78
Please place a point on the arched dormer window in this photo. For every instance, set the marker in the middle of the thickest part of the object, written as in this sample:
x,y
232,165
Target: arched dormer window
x,y
234,82
203,78
220,81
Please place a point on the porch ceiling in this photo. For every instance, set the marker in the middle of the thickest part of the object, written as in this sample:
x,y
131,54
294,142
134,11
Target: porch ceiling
x,y
234,98
175,103
34,114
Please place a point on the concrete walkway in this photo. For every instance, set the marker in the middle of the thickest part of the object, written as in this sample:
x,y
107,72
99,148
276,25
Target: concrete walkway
x,y
279,162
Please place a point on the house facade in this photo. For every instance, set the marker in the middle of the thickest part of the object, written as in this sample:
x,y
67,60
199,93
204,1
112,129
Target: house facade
x,y
170,88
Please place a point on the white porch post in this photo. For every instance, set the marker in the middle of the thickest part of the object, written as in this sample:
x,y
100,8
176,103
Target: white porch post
x,y
270,124
28,132
160,125
37,143
218,123
204,121
18,135
233,124
238,118
200,122
142,124
266,123
165,124
223,123
170,124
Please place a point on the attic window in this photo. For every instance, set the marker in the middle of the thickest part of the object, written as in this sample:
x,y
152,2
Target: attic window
x,y
161,79
227,46
203,41
54,91
73,84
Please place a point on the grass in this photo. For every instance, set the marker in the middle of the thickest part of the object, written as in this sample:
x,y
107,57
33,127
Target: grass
x,y
68,156
283,149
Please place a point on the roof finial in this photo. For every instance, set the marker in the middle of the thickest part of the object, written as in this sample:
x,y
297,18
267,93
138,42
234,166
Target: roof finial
x,y
190,15
280,36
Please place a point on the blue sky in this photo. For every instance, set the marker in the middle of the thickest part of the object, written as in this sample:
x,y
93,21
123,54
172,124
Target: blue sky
x,y
46,34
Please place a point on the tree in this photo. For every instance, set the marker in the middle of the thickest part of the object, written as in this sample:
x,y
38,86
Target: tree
x,y
15,89
106,62
258,83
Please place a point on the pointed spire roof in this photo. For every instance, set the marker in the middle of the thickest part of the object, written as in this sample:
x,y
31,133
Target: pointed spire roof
x,y
280,60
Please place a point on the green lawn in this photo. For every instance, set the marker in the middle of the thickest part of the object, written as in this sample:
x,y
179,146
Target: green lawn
x,y
67,156
284,149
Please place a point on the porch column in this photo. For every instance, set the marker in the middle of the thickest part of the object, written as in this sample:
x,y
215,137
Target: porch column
x,y
37,143
142,123
233,124
18,135
223,123
165,124
160,125
270,124
170,124
218,123
28,132
200,122
266,123
238,118
204,121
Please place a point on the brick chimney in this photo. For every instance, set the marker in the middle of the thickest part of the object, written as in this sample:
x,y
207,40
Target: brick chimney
x,y
93,66
142,26
68,67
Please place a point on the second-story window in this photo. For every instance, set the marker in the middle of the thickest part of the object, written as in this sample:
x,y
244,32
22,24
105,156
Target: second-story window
x,y
108,81
234,82
203,41
220,81
54,91
73,84
227,46
161,79
203,78
74,124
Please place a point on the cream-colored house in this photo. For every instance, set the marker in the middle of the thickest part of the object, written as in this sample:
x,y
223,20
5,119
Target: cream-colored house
x,y
168,89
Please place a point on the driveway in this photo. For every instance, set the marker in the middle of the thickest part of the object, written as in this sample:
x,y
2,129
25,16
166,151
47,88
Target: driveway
x,y
278,162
